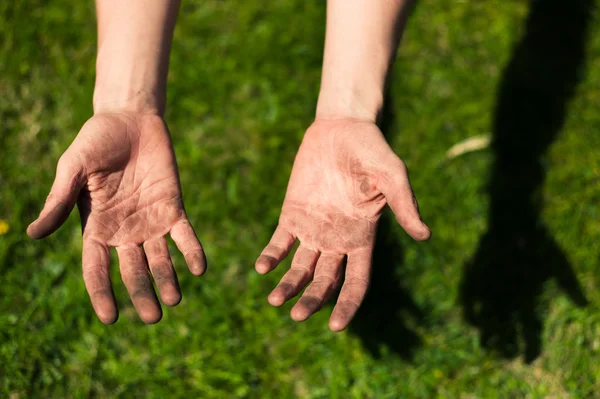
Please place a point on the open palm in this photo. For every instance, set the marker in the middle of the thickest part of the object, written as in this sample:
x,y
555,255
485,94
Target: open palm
x,y
343,176
121,172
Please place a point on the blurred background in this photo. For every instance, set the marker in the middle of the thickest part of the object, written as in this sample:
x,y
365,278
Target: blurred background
x,y
502,302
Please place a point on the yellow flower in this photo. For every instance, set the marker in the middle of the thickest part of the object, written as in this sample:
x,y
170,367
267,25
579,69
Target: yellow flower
x,y
3,227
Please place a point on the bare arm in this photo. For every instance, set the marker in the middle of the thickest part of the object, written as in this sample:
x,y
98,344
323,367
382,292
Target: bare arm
x,y
360,45
134,43
345,172
121,170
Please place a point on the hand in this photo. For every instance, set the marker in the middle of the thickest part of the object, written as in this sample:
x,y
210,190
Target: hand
x,y
343,175
121,172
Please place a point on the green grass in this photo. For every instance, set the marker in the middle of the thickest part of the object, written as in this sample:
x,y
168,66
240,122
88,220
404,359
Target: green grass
x,y
242,89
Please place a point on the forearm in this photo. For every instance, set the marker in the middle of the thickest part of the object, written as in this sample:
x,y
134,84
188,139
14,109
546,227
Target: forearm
x,y
360,45
134,43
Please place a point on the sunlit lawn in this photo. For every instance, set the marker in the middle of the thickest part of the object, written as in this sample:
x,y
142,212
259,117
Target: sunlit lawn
x,y
502,302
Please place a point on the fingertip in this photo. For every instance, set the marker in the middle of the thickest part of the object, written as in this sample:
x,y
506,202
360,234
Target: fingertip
x,y
414,227
261,269
171,299
186,240
299,313
196,264
107,317
31,231
424,234
262,265
276,298
337,325
266,263
35,232
50,219
151,316
198,271
343,313
306,307
108,321
161,267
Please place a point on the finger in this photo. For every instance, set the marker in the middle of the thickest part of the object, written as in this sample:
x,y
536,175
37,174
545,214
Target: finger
x,y
185,238
356,283
96,277
69,180
303,266
159,261
134,273
327,273
395,186
278,248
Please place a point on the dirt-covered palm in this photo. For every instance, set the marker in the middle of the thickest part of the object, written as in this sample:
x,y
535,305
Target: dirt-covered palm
x,y
343,176
122,173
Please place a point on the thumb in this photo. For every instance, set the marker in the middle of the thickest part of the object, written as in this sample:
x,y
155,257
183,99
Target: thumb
x,y
395,186
70,178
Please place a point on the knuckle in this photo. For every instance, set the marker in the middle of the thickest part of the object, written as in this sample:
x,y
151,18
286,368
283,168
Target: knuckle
x,y
154,248
312,301
191,245
359,282
275,250
301,269
285,287
326,281
64,162
137,279
96,276
266,260
132,256
144,290
67,165
163,273
193,257
401,165
160,261
101,294
348,304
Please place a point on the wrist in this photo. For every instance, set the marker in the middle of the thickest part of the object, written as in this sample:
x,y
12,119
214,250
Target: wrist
x,y
129,85
134,43
130,80
349,103
130,100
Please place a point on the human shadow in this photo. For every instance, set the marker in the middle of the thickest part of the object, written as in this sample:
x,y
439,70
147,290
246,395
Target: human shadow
x,y
388,314
501,286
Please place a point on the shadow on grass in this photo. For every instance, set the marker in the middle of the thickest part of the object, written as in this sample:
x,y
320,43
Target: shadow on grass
x,y
501,287
387,315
